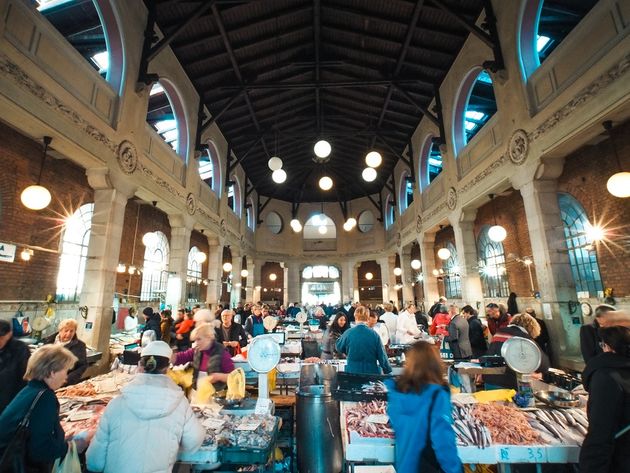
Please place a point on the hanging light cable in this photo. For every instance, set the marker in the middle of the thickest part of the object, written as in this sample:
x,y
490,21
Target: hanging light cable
x,y
496,232
619,183
37,197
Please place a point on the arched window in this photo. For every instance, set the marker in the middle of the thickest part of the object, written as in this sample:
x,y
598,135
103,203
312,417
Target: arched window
x,y
582,257
319,227
234,197
544,25
390,212
430,162
452,279
74,250
194,275
210,168
474,106
92,29
249,213
492,266
405,192
166,115
155,269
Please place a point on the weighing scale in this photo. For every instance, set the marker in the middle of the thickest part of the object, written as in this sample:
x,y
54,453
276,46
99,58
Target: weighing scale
x,y
300,318
263,355
270,323
523,357
39,325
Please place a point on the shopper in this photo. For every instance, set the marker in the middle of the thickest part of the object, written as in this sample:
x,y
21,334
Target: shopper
x,y
590,342
166,323
497,317
46,371
230,334
208,357
523,326
390,320
254,323
406,329
152,322
512,305
419,409
543,340
182,334
458,337
436,306
67,336
363,347
379,328
143,429
476,335
607,380
441,319
14,356
337,328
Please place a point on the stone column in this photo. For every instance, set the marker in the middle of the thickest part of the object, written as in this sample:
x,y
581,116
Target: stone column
x,y
285,284
406,276
388,278
258,264
463,224
249,289
215,271
181,228
110,199
553,269
293,288
348,277
427,256
237,263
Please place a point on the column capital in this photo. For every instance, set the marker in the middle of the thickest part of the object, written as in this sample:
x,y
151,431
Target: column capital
x,y
181,221
103,178
547,169
464,215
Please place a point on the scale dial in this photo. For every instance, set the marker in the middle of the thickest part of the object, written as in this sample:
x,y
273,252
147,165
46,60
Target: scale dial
x,y
270,323
263,353
300,317
521,355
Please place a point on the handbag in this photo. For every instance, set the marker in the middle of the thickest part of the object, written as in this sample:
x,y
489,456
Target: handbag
x,y
428,460
71,463
14,455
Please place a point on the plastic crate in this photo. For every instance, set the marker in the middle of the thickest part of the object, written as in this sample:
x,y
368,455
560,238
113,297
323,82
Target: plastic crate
x,y
248,455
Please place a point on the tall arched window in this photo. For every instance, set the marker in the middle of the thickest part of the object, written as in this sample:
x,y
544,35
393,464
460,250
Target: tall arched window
x,y
234,197
582,257
155,275
430,162
390,212
405,192
249,212
452,279
210,168
492,266
167,116
74,250
194,276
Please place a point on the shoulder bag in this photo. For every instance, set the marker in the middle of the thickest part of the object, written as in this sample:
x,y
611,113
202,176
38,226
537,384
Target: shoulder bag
x,y
428,460
14,456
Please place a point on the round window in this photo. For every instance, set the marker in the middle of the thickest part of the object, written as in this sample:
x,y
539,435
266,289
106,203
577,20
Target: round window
x,y
366,221
274,222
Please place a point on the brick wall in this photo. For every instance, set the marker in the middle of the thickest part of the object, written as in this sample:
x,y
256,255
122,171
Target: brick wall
x,y
21,159
585,174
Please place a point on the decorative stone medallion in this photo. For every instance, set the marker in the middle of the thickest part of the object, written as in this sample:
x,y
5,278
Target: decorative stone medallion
x,y
127,157
418,224
191,204
518,147
398,239
223,227
451,198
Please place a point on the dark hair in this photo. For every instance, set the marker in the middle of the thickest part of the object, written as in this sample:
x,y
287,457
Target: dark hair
x,y
441,309
469,310
5,327
603,308
154,364
334,327
373,313
617,338
423,365
492,305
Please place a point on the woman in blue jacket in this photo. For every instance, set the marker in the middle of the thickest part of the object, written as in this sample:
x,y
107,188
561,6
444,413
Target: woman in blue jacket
x,y
419,409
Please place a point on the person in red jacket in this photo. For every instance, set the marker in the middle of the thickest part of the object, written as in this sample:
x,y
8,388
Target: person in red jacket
x,y
441,319
497,317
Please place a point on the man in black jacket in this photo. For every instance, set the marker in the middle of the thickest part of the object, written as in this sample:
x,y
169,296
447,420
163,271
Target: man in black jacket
x,y
590,343
230,334
13,358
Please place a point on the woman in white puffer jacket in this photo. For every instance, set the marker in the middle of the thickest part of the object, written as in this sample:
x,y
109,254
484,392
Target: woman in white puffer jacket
x,y
143,429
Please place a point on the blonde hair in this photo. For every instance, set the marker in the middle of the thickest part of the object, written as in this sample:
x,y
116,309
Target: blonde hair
x,y
66,323
47,360
203,331
528,322
388,307
361,313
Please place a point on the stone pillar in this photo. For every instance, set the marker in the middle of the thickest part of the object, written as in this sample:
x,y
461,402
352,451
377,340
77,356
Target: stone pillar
x,y
427,256
237,263
293,288
406,276
388,278
285,284
249,289
258,264
463,226
97,294
215,271
181,228
348,280
553,270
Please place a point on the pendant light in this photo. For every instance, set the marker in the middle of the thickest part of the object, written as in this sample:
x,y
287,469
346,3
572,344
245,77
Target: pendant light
x,y
322,149
444,253
369,276
325,183
227,267
619,183
279,176
415,264
397,271
496,232
244,273
37,197
369,174
274,163
373,159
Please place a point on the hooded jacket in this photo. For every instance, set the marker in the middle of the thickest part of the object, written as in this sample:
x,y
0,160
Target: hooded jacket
x,y
142,429
408,414
607,380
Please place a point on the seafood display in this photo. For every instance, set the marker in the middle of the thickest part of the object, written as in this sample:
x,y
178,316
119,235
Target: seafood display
x,y
77,416
469,431
507,424
374,387
226,430
84,389
369,419
559,426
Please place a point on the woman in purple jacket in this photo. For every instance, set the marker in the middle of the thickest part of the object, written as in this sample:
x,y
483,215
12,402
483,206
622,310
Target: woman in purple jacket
x,y
208,357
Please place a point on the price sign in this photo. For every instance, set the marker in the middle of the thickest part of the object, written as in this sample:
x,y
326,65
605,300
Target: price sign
x,y
378,419
248,426
515,454
213,423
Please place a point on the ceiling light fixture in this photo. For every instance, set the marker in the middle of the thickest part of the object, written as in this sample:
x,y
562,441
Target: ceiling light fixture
x,y
37,197
444,253
244,273
274,163
415,264
397,271
227,266
273,277
322,149
619,183
296,225
279,176
369,174
201,257
325,183
369,276
121,268
496,232
149,239
26,254
373,159
322,230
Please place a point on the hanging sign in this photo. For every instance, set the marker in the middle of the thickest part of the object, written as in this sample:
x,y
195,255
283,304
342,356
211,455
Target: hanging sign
x,y
7,252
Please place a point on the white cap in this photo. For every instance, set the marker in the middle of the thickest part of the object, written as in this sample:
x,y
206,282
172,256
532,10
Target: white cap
x,y
157,348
